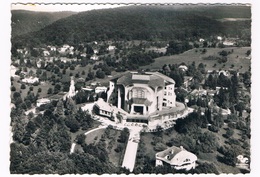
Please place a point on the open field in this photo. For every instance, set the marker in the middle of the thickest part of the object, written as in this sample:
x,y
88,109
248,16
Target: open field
x,y
237,58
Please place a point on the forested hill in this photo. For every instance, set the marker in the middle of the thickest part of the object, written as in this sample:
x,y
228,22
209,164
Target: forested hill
x,y
144,23
27,21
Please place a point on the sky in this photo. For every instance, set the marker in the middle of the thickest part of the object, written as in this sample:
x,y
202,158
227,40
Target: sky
x,y
97,4
62,7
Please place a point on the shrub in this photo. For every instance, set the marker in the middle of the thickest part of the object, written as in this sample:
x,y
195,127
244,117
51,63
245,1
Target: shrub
x,y
23,86
13,89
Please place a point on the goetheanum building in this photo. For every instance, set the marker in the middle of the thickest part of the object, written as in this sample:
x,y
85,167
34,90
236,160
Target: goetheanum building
x,y
142,94
146,97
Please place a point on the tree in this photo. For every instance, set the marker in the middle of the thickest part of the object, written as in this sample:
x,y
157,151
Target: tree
x,y
59,110
100,74
123,135
248,52
80,139
229,133
72,124
39,90
13,89
70,106
57,88
50,90
23,86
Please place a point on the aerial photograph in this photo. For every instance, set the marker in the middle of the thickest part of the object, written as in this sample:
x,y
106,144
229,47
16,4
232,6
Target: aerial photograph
x,y
130,89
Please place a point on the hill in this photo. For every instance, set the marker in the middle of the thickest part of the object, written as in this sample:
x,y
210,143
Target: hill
x,y
28,21
143,23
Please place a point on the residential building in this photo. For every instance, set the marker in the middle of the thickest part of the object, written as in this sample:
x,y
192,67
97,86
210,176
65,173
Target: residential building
x,y
103,108
42,101
176,157
100,89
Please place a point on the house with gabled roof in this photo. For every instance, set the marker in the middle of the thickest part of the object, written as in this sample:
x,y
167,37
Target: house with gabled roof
x,y
177,157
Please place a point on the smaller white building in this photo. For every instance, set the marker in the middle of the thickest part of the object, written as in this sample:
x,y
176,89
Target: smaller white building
x,y
177,157
30,80
103,108
94,57
42,101
219,38
111,47
100,89
183,67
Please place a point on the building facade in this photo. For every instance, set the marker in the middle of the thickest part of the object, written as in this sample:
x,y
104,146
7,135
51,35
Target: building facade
x,y
176,157
141,94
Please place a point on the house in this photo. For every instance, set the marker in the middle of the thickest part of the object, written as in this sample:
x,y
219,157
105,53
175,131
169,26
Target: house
x,y
95,51
100,89
201,40
183,67
103,108
228,43
176,157
46,53
30,80
225,73
42,101
111,48
187,81
219,38
94,57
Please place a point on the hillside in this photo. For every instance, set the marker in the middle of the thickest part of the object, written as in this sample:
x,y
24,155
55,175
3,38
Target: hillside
x,y
28,21
143,23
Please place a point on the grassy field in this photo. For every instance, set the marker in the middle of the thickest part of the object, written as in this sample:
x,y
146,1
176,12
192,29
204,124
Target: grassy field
x,y
111,144
237,58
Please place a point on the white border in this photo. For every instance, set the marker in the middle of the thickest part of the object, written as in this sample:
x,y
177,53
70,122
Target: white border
x,y
4,73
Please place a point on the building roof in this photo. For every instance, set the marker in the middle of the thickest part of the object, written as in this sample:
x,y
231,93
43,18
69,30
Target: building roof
x,y
176,156
153,79
103,105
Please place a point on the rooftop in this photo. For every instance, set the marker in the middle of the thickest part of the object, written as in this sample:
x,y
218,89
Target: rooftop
x,y
153,79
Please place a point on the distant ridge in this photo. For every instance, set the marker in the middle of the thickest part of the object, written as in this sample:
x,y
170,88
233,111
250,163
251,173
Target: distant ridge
x,y
24,21
143,23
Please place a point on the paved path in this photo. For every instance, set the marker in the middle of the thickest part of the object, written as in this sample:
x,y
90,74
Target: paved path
x,y
131,149
102,127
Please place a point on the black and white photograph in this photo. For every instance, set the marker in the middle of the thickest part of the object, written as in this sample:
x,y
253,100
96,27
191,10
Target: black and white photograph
x,y
130,88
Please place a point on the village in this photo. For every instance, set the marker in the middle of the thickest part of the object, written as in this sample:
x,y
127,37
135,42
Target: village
x,y
93,80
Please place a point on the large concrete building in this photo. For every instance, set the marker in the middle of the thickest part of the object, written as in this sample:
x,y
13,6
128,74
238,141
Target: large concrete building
x,y
142,93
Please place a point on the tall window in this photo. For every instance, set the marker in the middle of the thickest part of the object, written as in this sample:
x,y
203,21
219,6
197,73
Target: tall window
x,y
137,93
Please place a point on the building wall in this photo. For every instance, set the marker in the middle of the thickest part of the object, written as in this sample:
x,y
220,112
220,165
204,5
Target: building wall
x,y
131,92
169,97
111,90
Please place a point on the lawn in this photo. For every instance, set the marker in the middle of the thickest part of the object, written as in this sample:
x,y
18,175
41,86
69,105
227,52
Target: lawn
x,y
189,56
111,143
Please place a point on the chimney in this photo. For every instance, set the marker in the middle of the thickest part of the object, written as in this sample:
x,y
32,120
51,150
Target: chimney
x,y
181,148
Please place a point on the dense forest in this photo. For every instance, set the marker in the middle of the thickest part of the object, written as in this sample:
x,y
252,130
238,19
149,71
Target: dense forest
x,y
142,23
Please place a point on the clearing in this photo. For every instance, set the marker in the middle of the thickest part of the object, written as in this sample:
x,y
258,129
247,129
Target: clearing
x,y
238,58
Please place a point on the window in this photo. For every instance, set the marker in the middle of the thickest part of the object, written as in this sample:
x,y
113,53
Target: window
x,y
165,88
138,93
165,93
169,93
